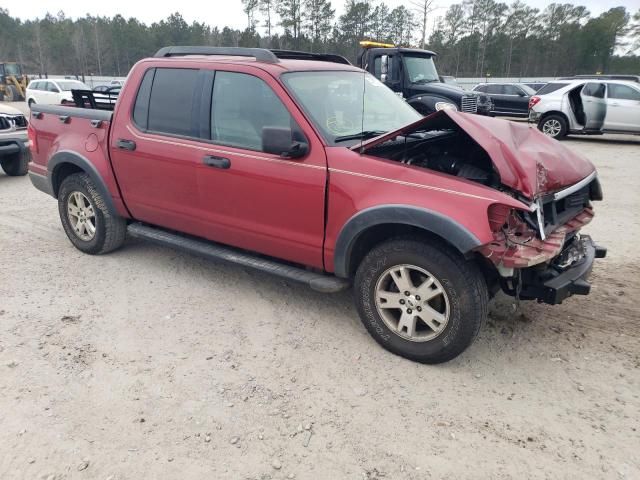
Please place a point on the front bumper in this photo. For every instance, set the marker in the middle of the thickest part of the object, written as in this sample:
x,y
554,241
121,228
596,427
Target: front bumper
x,y
555,282
13,143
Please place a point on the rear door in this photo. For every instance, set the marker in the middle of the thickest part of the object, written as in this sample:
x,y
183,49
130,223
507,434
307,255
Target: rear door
x,y
154,148
623,108
257,200
594,105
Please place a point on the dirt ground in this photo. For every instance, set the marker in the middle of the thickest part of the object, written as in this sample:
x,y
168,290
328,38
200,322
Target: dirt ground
x,y
148,363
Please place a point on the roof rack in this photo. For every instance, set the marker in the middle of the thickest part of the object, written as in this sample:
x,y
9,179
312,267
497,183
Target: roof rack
x,y
322,57
260,54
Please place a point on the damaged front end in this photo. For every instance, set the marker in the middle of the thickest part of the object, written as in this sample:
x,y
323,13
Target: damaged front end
x,y
540,254
537,250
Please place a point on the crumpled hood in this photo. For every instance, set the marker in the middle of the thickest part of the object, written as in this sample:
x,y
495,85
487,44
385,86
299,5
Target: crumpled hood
x,y
526,160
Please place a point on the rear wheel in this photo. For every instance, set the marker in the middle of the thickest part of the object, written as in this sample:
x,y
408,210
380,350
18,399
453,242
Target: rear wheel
x,y
85,217
31,102
16,164
554,126
421,301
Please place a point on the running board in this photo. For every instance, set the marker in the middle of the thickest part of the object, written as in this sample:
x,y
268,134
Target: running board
x,y
317,281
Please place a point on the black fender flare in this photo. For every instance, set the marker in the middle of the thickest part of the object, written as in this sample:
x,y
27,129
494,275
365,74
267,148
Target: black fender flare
x,y
68,157
448,229
427,103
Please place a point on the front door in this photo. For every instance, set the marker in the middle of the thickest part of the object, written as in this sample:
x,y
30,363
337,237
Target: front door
x,y
623,108
252,199
594,105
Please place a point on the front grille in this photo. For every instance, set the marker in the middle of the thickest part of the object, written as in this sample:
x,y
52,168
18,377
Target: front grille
x,y
558,212
469,104
9,121
20,121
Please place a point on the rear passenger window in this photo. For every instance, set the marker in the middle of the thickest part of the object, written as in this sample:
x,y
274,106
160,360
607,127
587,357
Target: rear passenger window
x,y
171,101
494,89
242,106
551,87
622,92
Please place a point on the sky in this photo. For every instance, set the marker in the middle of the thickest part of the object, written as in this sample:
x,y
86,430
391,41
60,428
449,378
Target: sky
x,y
229,12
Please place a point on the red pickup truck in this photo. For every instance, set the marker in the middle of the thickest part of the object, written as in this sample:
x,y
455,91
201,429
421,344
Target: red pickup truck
x,y
309,168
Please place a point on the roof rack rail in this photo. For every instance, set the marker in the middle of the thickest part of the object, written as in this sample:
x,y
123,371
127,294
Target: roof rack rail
x,y
260,54
322,57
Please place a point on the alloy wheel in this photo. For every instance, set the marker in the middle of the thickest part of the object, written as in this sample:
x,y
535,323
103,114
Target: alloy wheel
x,y
81,215
412,303
551,128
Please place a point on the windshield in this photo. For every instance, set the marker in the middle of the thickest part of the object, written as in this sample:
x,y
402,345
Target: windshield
x,y
12,69
334,101
67,85
421,69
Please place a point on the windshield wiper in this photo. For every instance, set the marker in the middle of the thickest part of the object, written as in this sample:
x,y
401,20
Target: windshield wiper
x,y
427,80
359,135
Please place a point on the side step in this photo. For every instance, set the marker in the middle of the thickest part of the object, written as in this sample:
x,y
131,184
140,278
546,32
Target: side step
x,y
203,248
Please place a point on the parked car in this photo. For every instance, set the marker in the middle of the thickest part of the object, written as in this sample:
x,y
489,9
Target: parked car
x,y
509,99
628,78
535,86
412,73
317,172
586,107
14,144
53,92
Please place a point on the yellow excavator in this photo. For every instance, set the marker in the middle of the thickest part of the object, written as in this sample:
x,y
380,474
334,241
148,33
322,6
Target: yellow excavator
x,y
13,82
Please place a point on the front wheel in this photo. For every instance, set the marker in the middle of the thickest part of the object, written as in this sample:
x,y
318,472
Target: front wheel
x,y
86,220
420,300
554,126
16,164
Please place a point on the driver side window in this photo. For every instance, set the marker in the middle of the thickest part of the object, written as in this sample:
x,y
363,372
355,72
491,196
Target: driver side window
x,y
242,105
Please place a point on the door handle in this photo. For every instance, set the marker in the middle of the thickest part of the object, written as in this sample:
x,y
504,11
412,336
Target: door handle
x,y
124,144
63,118
216,162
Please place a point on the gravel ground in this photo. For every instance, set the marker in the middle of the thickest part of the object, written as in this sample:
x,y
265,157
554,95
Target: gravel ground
x,y
149,363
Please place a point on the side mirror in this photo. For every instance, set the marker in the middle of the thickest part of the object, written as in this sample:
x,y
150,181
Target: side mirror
x,y
384,68
279,141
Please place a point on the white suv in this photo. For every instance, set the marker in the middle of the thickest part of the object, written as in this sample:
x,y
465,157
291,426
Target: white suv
x,y
586,106
53,92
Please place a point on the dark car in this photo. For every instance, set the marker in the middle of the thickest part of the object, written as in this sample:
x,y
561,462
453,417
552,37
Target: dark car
x,y
509,99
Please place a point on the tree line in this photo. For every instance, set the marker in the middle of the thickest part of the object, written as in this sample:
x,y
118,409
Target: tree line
x,y
473,38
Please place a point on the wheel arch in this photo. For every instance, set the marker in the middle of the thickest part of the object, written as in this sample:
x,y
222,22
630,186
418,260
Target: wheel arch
x,y
554,112
66,163
374,225
426,103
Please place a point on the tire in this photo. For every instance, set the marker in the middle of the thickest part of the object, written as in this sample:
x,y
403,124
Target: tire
x,y
11,94
31,102
554,126
109,230
461,305
16,164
